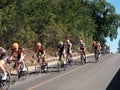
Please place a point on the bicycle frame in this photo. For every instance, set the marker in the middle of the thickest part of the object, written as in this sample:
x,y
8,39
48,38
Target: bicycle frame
x,y
17,73
41,65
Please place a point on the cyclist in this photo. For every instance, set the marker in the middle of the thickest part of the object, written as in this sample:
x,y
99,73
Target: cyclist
x,y
3,58
61,50
82,48
99,48
40,52
96,46
69,49
20,55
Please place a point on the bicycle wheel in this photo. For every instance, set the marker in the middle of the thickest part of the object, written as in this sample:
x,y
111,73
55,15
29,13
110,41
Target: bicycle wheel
x,y
69,61
63,64
59,66
83,59
44,67
14,73
37,68
96,56
23,72
5,84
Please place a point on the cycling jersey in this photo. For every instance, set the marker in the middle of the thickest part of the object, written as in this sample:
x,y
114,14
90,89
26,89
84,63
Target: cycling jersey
x,y
60,48
40,50
82,46
3,54
18,52
96,47
69,48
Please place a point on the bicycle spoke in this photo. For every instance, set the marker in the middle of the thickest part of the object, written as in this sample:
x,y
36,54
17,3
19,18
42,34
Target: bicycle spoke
x,y
4,85
24,74
13,75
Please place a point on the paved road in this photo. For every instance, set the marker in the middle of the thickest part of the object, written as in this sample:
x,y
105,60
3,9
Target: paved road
x,y
91,76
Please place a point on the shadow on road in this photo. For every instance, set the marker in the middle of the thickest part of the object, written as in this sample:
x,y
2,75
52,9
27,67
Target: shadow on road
x,y
115,83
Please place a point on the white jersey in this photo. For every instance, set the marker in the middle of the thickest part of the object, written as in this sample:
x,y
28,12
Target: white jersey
x,y
81,45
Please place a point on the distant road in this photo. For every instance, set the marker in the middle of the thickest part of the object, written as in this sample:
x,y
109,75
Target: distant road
x,y
91,76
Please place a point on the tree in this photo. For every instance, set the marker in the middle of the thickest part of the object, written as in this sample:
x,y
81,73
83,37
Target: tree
x,y
106,20
119,46
48,21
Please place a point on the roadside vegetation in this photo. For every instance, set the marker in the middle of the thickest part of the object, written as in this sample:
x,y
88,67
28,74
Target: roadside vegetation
x,y
49,21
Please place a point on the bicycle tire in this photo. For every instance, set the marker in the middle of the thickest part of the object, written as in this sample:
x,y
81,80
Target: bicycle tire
x,y
37,68
96,58
69,62
5,84
83,60
44,68
23,74
14,73
59,66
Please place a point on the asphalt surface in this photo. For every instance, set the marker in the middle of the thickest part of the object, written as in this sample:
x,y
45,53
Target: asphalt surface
x,y
103,75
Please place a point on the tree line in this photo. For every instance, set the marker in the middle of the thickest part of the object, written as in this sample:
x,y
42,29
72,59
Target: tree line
x,y
51,21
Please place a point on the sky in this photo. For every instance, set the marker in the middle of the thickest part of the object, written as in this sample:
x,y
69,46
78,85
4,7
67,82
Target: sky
x,y
114,44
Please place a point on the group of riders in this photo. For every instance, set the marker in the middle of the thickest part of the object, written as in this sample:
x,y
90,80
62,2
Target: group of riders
x,y
62,48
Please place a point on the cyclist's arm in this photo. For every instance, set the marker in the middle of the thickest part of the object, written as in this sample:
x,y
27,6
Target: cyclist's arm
x,y
11,56
22,56
34,54
84,47
43,53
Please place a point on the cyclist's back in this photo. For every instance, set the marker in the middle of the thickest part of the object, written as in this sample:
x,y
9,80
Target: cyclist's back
x,y
82,48
82,45
69,47
40,52
96,47
3,58
61,49
20,54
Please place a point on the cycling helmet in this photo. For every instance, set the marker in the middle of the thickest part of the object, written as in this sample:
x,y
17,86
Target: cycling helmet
x,y
68,41
15,45
38,44
0,48
60,43
81,41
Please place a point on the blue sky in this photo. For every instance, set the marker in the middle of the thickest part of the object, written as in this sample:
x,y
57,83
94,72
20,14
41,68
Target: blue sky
x,y
114,44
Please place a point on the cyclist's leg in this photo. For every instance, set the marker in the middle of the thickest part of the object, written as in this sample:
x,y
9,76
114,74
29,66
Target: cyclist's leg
x,y
95,53
99,54
45,63
21,61
2,62
44,59
60,58
84,56
71,56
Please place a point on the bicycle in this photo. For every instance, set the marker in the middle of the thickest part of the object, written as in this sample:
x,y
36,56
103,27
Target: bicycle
x,y
4,84
82,57
41,66
17,74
